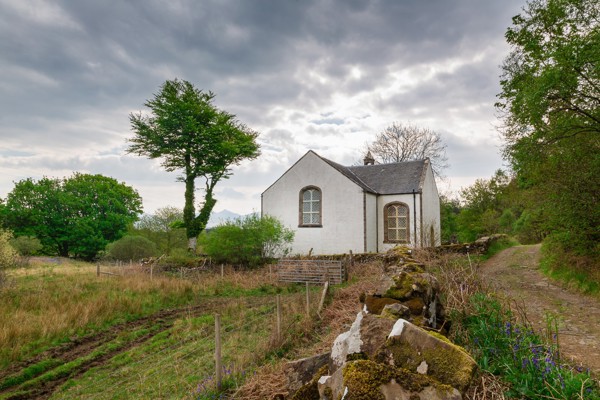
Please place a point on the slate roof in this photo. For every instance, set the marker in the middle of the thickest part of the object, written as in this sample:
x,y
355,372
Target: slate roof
x,y
393,178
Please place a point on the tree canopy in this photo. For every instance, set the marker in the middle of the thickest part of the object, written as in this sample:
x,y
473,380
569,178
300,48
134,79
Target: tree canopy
x,y
76,216
550,103
405,142
188,133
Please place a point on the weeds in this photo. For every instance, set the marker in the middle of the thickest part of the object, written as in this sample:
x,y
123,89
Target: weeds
x,y
577,272
230,380
529,365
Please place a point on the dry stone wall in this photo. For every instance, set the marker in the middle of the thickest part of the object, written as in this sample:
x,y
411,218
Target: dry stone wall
x,y
395,349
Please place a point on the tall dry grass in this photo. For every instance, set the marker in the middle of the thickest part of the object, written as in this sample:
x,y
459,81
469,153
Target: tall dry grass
x,y
50,302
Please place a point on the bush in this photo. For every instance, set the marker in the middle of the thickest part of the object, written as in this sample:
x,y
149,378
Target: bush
x,y
8,255
247,241
27,246
180,258
131,248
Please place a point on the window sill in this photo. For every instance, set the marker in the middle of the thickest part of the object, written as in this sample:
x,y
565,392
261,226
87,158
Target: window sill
x,y
310,226
396,242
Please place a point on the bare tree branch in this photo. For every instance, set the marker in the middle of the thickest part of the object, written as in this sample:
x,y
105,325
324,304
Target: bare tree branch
x,y
399,142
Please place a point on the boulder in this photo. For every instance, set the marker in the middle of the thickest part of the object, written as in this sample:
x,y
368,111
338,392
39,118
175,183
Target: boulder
x,y
419,351
365,379
300,372
364,340
395,311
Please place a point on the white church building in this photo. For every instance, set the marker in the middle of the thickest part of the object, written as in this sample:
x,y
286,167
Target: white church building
x,y
365,208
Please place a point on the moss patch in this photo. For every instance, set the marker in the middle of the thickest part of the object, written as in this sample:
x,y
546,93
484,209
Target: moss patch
x,y
310,391
365,378
446,362
415,305
375,304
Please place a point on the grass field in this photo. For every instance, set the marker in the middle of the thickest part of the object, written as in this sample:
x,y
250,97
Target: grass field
x,y
66,333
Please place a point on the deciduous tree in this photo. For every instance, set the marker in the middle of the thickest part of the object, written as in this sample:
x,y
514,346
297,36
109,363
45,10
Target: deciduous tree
x,y
190,134
399,142
76,216
550,103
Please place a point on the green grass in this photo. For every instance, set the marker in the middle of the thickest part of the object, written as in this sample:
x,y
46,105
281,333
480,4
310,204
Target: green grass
x,y
48,305
563,267
497,246
179,363
529,365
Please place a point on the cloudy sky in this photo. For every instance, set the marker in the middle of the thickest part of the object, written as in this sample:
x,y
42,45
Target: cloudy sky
x,y
326,75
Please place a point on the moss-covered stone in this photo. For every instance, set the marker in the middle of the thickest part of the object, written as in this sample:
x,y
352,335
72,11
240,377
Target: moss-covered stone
x,y
376,304
402,288
415,305
446,362
310,391
395,311
372,381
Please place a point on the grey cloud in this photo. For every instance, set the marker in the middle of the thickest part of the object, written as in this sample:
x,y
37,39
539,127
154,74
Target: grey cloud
x,y
73,72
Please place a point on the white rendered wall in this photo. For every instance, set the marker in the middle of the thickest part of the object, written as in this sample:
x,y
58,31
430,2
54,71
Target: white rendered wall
x,y
431,210
408,200
371,222
342,207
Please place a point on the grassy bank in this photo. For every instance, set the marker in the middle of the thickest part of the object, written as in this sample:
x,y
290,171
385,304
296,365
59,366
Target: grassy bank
x,y
576,272
47,304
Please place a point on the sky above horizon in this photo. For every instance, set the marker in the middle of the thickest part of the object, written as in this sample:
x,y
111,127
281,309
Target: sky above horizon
x,y
326,75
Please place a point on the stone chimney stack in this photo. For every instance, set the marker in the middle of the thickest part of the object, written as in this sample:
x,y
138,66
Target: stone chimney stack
x,y
369,160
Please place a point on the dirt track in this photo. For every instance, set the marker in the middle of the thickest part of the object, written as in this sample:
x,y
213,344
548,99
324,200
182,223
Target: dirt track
x,y
514,272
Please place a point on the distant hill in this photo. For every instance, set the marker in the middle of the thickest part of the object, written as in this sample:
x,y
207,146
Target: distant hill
x,y
219,217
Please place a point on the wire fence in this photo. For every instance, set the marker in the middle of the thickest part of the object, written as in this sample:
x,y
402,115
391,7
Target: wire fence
x,y
201,354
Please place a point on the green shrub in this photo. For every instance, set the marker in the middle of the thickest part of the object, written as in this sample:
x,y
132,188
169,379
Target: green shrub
x,y
180,258
27,246
131,248
248,241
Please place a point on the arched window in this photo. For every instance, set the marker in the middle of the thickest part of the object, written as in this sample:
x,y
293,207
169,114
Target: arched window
x,y
310,206
395,223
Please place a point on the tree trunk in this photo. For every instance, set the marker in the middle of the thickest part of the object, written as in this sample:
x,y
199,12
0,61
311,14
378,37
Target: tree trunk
x,y
192,244
189,212
204,215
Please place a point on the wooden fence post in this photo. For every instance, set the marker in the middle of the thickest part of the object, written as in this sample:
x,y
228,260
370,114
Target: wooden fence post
x,y
218,350
222,273
307,300
151,271
322,302
98,270
181,272
278,317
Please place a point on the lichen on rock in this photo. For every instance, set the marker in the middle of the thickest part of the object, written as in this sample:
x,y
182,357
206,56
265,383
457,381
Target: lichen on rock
x,y
373,381
408,346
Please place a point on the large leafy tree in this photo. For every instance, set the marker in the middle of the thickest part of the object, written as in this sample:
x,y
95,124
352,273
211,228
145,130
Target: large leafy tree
x,y
190,134
76,216
550,102
405,142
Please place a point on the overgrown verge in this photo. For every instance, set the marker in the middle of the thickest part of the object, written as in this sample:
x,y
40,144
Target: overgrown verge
x,y
516,362
576,271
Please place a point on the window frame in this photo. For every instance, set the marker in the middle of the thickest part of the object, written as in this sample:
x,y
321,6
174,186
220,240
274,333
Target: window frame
x,y
386,208
301,211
